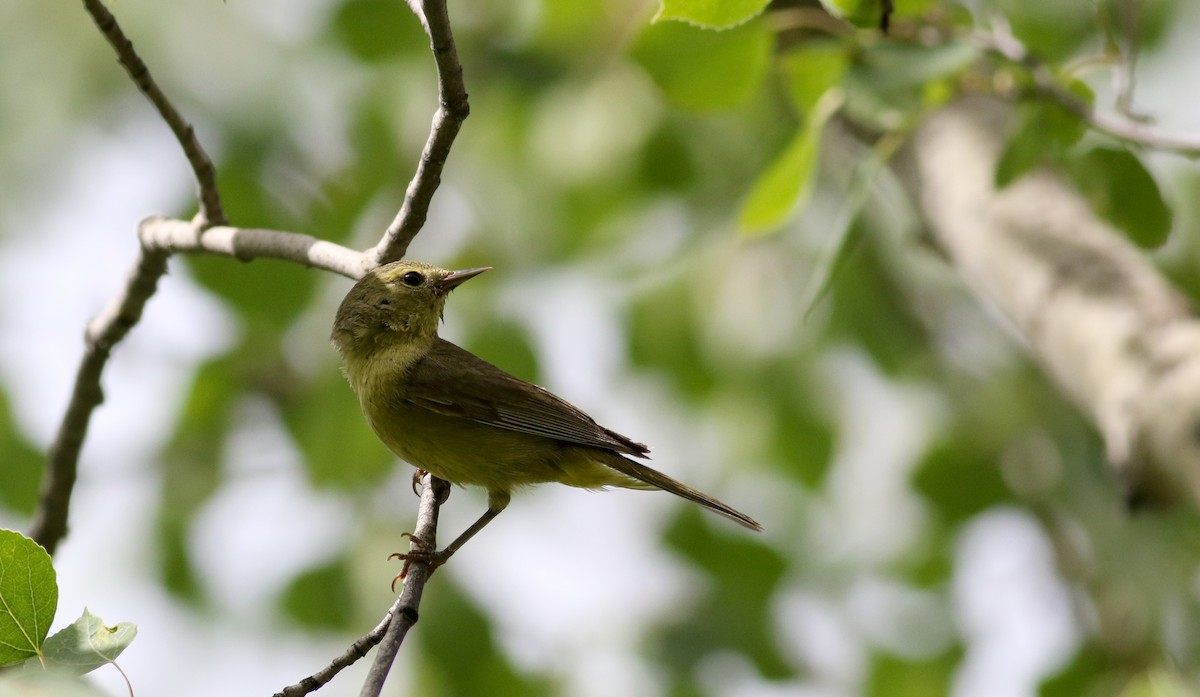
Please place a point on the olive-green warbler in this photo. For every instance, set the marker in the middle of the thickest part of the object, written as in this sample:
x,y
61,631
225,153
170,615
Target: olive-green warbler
x,y
458,417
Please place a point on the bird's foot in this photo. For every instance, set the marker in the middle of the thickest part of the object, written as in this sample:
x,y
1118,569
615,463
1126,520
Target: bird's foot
x,y
418,473
421,551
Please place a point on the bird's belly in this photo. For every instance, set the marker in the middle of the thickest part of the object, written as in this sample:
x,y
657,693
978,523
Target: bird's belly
x,y
463,451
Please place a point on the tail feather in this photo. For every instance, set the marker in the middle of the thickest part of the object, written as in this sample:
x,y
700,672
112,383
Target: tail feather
x,y
659,480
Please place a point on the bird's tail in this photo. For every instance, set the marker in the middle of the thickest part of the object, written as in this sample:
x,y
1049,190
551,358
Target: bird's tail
x,y
659,480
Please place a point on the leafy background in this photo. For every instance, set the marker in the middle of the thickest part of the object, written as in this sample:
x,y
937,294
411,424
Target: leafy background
x,y
939,519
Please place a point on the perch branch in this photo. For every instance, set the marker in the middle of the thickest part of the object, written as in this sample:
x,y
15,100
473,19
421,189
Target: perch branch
x,y
405,608
404,612
447,120
211,212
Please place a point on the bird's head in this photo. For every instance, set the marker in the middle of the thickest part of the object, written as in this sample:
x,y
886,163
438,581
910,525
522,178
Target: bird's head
x,y
401,301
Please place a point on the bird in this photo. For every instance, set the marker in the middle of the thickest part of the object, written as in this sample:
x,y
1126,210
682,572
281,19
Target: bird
x,y
452,414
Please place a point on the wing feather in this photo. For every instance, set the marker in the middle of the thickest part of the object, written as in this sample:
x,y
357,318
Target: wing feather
x,y
488,395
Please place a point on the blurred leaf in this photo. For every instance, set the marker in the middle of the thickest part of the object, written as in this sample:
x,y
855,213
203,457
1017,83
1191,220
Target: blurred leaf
x,y
22,465
191,464
1043,134
869,311
1052,31
1089,672
86,644
861,13
812,69
321,598
666,162
843,233
267,292
1159,682
460,655
736,613
801,437
663,335
1122,191
960,479
506,344
339,448
28,597
787,183
704,70
890,85
868,13
376,30
711,14
892,676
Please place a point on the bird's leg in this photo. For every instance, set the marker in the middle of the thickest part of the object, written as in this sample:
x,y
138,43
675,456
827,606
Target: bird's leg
x,y
497,502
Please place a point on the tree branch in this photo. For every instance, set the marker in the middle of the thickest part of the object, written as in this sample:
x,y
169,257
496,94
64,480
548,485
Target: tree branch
x,y
108,328
172,235
405,608
404,612
1105,325
1002,43
211,212
452,111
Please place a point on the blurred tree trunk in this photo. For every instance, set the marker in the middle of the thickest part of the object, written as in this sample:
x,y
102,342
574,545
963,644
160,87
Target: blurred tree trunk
x,y
1086,303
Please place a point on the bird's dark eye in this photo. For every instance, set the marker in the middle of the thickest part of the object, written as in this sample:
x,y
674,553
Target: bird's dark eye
x,y
413,279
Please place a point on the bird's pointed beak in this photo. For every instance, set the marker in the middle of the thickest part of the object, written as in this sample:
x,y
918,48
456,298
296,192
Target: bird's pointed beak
x,y
454,279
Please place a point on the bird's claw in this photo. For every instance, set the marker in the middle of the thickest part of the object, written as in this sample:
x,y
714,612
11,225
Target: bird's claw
x,y
418,473
421,551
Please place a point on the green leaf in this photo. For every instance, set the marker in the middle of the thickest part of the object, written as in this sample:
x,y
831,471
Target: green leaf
x,y
356,24
843,233
28,597
339,447
786,184
88,644
703,70
1043,134
894,677
862,13
711,14
1159,682
307,598
1124,193
812,70
892,84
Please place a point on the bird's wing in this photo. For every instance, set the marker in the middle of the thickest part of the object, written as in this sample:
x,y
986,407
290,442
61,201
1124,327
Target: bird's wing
x,y
455,382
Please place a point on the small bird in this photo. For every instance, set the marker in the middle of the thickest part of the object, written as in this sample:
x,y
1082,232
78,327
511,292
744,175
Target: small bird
x,y
462,419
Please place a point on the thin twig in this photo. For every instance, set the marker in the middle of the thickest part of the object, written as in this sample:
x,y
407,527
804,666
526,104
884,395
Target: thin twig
x,y
452,111
356,651
108,328
211,212
1002,43
404,612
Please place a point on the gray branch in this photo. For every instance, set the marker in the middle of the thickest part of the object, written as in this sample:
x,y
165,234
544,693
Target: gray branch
x,y
404,612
